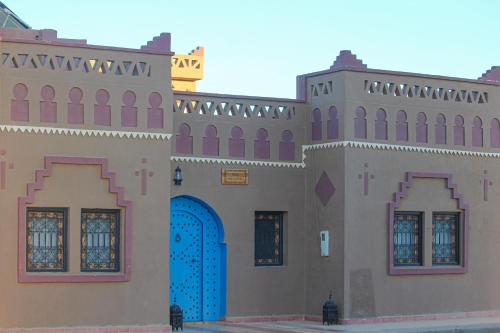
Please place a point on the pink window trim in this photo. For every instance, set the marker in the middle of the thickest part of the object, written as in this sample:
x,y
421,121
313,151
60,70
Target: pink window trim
x,y
37,185
395,203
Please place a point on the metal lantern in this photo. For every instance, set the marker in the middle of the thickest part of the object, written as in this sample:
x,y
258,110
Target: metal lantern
x,y
330,312
176,317
178,176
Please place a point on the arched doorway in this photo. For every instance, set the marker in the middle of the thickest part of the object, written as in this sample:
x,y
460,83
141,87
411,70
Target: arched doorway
x,y
197,259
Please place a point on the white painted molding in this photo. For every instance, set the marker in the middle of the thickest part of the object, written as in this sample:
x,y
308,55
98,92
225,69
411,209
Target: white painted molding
x,y
333,145
385,146
84,132
236,162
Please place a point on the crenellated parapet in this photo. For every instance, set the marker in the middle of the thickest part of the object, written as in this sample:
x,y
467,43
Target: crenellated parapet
x,y
187,69
47,82
352,102
242,129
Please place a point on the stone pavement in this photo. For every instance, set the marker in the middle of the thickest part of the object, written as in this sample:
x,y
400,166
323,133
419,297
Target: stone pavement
x,y
479,325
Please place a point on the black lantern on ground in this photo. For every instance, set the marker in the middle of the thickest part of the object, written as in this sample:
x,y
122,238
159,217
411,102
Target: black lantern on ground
x,y
330,312
176,317
178,176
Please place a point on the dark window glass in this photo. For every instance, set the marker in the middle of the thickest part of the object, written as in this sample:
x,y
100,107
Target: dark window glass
x,y
46,239
407,239
445,237
268,238
100,250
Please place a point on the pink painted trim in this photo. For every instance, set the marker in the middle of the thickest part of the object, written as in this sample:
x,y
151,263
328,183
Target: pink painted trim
x,y
49,161
437,316
270,99
373,320
395,203
74,44
302,93
91,329
255,319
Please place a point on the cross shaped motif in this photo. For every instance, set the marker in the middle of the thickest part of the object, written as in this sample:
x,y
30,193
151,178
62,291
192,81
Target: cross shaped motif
x,y
486,185
3,170
144,173
366,179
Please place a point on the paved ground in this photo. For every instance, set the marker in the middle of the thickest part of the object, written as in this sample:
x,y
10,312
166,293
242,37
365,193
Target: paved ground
x,y
478,325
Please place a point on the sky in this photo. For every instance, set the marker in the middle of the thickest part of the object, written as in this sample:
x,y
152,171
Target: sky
x,y
259,47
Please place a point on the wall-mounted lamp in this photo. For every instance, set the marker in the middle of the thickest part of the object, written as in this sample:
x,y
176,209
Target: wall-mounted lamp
x,y
178,176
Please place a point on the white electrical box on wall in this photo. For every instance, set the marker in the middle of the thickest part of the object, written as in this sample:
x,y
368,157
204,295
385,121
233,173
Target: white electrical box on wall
x,y
325,241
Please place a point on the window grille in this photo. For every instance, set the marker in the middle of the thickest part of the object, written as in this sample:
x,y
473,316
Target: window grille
x,y
268,238
100,240
407,239
445,235
46,239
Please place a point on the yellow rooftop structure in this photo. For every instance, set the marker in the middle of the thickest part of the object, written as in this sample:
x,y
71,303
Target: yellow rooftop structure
x,y
187,69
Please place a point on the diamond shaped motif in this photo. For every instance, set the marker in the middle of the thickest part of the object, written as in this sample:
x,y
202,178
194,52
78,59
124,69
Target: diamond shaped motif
x,y
324,189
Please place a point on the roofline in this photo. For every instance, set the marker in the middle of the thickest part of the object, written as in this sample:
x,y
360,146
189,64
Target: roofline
x,y
24,24
301,80
269,99
84,46
400,73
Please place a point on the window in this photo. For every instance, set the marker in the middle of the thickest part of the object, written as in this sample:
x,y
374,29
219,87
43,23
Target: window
x,y
268,238
100,239
445,236
433,237
46,239
408,239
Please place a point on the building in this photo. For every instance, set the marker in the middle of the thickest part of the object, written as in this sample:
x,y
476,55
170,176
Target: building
x,y
379,186
187,69
8,19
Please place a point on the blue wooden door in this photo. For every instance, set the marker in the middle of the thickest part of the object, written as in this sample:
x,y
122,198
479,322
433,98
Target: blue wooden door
x,y
197,260
186,264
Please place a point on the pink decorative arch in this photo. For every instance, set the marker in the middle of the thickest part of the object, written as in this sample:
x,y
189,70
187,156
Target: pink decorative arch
x,y
37,185
396,202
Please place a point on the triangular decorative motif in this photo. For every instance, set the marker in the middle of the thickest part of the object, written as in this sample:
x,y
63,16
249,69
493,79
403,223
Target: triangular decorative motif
x,y
325,89
42,58
68,66
371,89
220,107
126,65
13,63
32,64
192,106
5,56
315,91
118,70
59,60
76,62
397,91
22,59
135,72
85,67
410,92
425,91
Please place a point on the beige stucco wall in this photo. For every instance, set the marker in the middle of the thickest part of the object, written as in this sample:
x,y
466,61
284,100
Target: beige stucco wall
x,y
367,232
367,287
324,274
77,187
142,300
357,268
251,290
